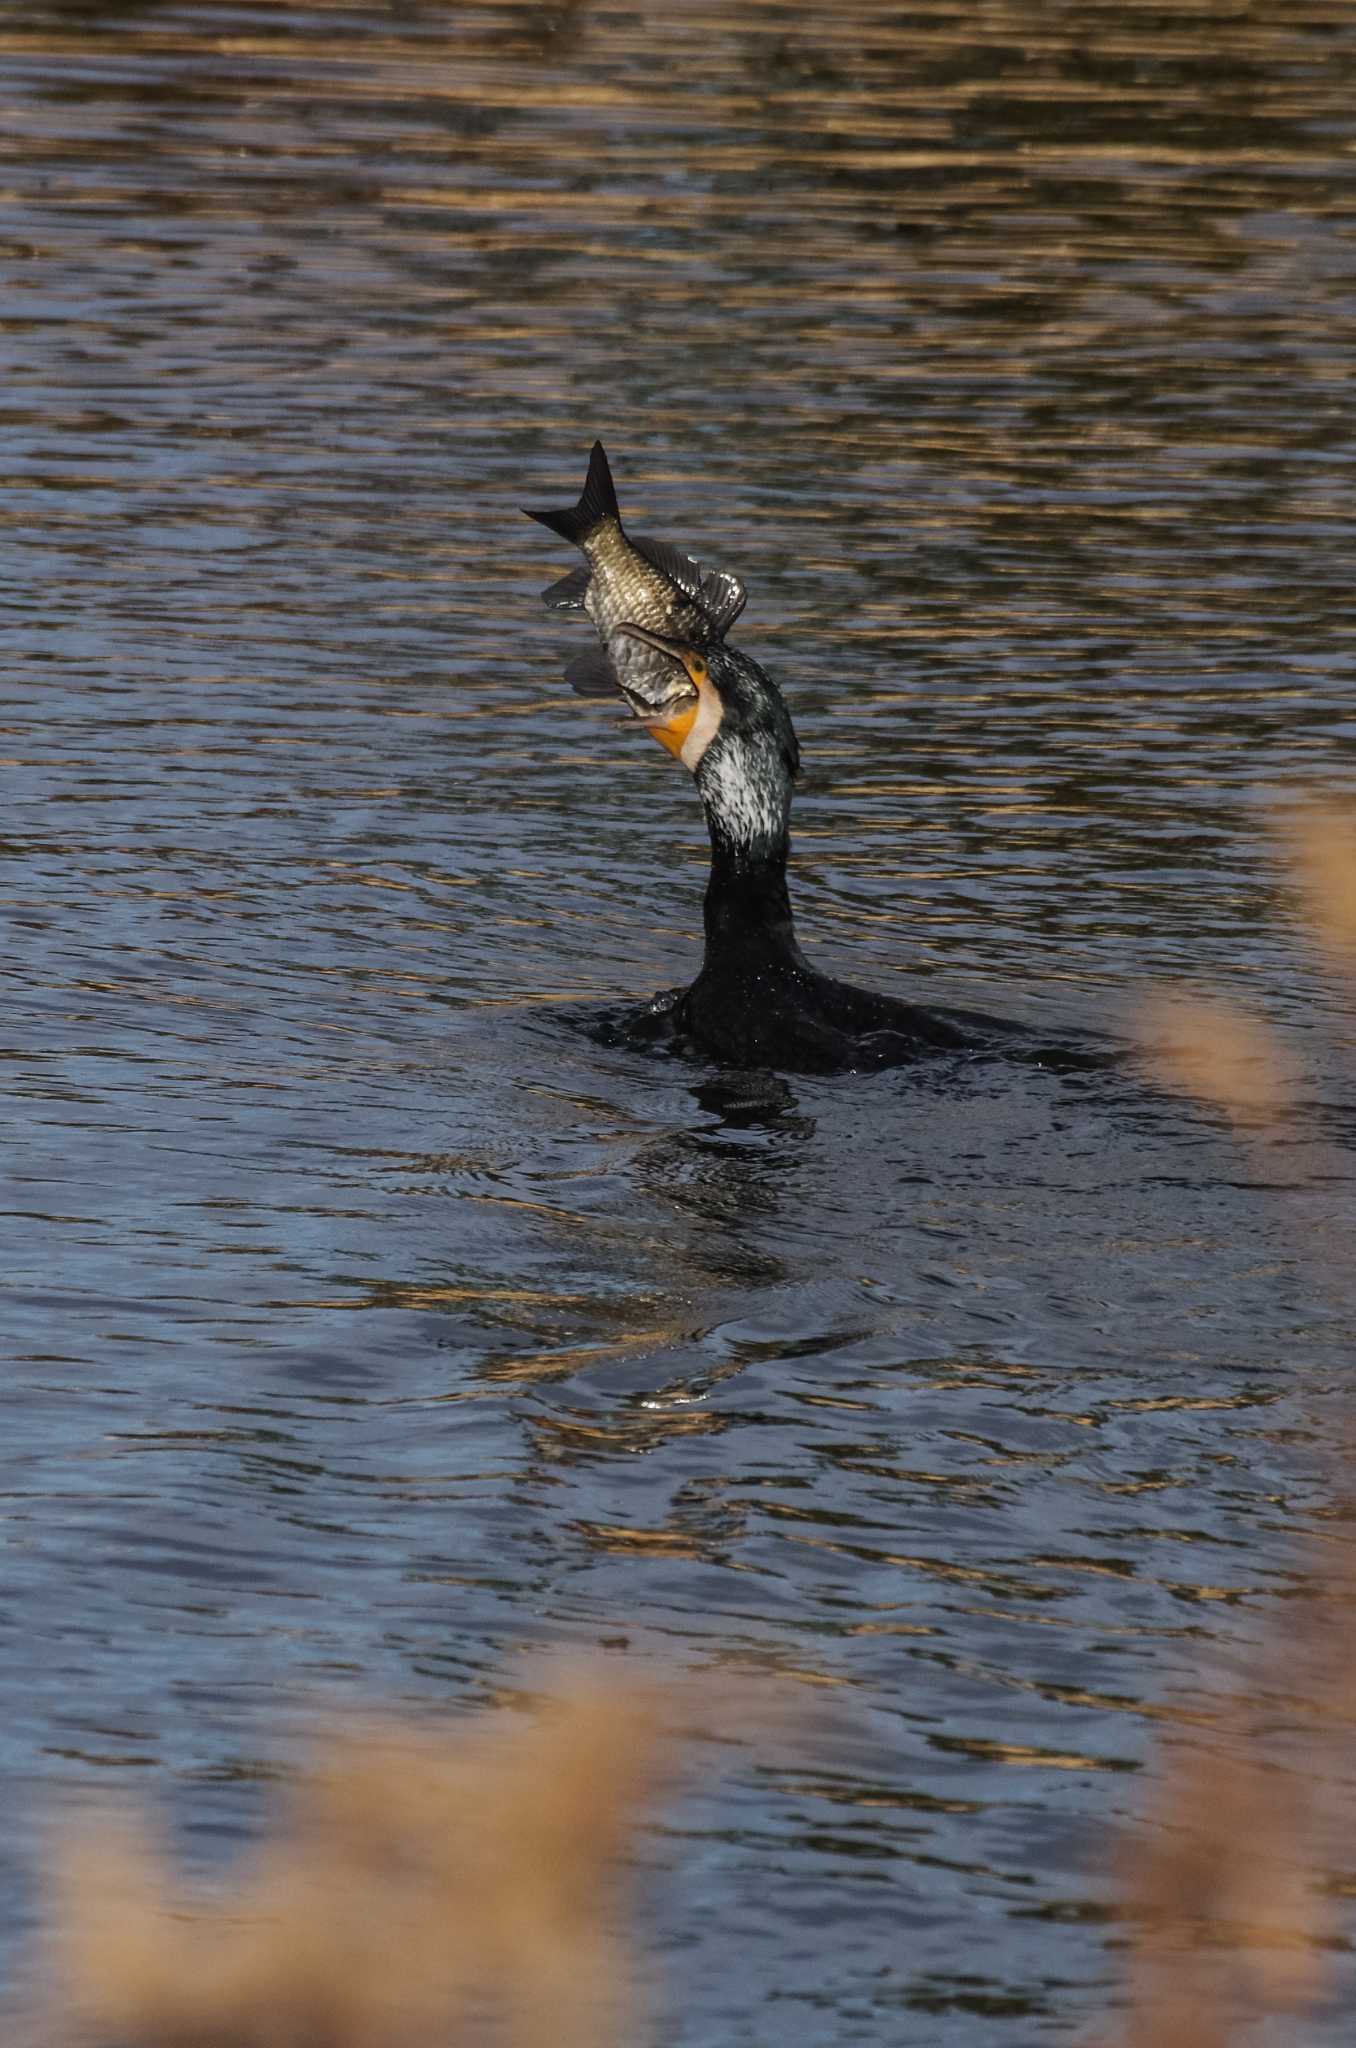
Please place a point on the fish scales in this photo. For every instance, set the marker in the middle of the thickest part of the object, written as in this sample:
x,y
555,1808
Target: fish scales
x,y
625,589
631,580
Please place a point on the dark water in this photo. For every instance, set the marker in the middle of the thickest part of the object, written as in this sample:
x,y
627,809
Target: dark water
x,y
368,1324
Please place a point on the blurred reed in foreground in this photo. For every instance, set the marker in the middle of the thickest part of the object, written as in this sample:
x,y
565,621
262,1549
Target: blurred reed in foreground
x,y
422,1889
1227,1885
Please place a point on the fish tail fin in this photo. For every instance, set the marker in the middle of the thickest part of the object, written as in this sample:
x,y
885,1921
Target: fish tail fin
x,y
598,501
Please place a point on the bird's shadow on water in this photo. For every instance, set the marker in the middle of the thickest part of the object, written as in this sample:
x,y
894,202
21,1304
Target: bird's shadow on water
x,y
747,1152
756,1191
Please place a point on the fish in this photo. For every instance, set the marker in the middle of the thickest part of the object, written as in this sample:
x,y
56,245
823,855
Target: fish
x,y
628,579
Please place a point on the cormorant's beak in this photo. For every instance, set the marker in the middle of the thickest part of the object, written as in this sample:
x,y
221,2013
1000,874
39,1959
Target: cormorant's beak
x,y
679,649
673,721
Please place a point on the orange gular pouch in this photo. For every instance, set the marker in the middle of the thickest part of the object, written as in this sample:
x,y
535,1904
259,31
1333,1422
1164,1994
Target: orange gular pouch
x,y
671,732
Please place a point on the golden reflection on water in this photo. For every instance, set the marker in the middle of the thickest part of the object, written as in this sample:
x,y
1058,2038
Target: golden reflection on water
x,y
1003,347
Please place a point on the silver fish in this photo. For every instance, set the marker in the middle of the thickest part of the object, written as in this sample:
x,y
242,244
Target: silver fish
x,y
629,580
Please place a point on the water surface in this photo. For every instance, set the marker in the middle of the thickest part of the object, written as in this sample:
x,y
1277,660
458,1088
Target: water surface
x,y
369,1324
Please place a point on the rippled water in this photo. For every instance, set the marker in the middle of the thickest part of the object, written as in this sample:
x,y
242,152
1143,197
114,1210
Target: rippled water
x,y
369,1323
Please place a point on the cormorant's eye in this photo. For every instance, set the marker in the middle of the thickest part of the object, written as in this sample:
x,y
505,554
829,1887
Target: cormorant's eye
x,y
697,669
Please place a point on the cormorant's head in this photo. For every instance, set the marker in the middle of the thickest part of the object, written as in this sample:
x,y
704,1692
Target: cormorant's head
x,y
731,728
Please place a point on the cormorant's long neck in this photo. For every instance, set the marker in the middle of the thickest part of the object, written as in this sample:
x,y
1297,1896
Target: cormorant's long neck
x,y
748,910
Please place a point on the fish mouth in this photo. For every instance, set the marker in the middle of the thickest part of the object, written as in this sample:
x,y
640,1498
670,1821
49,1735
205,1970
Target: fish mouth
x,y
664,697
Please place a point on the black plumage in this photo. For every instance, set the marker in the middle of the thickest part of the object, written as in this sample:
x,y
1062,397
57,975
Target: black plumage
x,y
757,1000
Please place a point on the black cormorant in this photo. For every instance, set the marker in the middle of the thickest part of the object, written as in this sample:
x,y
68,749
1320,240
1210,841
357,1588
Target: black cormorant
x,y
757,1000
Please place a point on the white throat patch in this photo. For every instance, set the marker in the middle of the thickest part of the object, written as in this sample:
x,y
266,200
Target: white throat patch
x,y
751,807
704,727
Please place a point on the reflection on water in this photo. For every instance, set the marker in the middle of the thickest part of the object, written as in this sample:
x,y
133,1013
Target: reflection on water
x,y
369,1321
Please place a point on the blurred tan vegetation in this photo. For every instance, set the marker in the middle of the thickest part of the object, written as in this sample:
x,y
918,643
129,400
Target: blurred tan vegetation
x,y
422,1887
1229,1884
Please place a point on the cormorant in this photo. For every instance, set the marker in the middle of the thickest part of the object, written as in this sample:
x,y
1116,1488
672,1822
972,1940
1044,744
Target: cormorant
x,y
661,619
757,1000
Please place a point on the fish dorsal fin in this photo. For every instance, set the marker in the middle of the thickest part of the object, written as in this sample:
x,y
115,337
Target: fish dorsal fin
x,y
670,562
724,598
720,595
568,594
591,674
